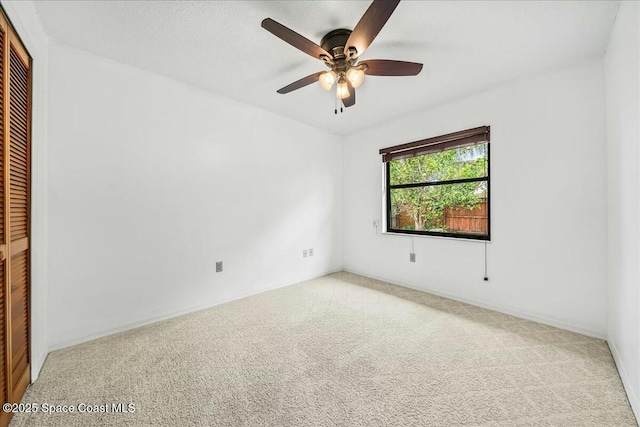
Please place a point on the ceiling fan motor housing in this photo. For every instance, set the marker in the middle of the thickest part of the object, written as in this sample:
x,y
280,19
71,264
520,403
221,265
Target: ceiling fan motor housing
x,y
334,42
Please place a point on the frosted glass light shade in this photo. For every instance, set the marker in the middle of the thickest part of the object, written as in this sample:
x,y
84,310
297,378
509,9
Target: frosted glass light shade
x,y
355,76
327,79
343,90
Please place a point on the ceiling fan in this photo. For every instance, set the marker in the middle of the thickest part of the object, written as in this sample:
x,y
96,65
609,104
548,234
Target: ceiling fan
x,y
340,49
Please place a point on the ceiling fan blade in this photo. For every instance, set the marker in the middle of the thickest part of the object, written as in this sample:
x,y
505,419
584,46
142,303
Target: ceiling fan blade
x,y
305,81
351,99
294,39
385,67
370,24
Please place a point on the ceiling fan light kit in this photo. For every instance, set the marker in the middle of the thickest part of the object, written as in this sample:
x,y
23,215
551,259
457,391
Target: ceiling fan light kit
x,y
355,76
327,79
342,90
340,49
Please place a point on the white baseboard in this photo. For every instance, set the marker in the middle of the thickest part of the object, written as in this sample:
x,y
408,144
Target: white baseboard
x,y
174,313
533,317
626,381
36,365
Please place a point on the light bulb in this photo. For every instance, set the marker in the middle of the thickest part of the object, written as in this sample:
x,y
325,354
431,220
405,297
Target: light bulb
x,y
327,79
355,76
343,90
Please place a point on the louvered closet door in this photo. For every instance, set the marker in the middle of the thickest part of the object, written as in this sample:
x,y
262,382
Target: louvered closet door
x,y
4,419
18,179
15,175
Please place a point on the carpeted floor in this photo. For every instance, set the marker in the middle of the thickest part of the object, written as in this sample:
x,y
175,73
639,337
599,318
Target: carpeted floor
x,y
341,350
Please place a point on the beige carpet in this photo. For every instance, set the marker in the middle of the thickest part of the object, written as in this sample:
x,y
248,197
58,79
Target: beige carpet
x,y
341,350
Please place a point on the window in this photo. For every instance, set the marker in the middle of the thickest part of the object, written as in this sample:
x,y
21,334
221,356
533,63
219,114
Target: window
x,y
440,186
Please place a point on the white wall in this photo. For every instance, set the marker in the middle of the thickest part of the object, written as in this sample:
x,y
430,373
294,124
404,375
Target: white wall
x,y
25,21
547,258
152,181
622,72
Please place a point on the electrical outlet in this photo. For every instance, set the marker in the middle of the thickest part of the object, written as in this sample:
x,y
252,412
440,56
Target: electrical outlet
x,y
310,251
218,266
304,253
412,257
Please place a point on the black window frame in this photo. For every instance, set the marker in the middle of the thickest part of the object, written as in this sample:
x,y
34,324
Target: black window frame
x,y
439,143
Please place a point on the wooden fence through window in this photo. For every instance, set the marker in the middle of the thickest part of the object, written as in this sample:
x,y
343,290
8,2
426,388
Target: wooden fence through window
x,y
457,220
461,220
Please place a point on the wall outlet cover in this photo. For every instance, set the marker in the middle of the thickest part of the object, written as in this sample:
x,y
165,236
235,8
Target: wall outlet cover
x,y
304,253
218,266
412,257
310,251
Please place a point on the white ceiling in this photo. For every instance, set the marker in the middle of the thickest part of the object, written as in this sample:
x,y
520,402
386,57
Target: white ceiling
x,y
220,46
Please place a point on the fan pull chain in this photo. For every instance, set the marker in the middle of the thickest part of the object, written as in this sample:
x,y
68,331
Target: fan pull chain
x,y
335,106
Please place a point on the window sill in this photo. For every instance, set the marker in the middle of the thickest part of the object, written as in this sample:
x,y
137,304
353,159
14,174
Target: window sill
x,y
430,236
